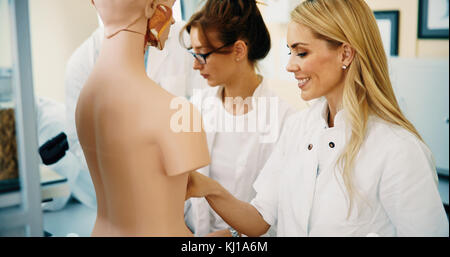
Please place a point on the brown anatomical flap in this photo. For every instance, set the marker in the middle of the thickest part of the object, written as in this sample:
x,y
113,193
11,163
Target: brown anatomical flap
x,y
159,22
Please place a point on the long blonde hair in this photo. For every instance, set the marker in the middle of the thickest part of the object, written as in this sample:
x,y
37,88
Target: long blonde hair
x,y
368,89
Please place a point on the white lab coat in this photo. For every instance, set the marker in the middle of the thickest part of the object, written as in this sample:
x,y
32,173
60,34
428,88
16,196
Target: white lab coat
x,y
50,121
171,68
251,159
394,175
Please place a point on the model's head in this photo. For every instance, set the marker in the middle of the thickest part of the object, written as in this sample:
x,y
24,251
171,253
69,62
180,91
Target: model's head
x,y
118,15
337,52
231,35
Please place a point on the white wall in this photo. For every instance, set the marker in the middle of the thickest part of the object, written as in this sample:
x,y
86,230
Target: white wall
x,y
276,14
5,36
422,91
409,44
58,27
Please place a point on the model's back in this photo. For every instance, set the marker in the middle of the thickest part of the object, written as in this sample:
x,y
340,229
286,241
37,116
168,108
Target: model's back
x,y
138,164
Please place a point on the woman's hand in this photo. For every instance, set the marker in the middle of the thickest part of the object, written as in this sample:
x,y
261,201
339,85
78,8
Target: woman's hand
x,y
240,215
199,185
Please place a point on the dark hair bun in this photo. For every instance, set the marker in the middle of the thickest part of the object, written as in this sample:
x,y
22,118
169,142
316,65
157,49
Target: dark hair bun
x,y
235,20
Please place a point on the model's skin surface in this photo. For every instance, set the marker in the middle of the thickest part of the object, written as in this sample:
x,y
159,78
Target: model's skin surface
x,y
139,166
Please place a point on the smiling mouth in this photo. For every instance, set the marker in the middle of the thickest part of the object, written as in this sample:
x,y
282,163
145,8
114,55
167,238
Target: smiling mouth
x,y
303,82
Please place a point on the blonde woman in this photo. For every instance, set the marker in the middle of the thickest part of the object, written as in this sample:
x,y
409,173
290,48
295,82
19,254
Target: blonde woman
x,y
350,165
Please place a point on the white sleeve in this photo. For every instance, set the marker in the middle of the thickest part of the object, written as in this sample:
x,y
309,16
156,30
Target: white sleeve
x,y
78,70
267,184
266,187
409,192
50,123
50,119
188,215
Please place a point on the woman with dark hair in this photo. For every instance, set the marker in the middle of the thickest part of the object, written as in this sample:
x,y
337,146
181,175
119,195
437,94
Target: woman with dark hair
x,y
242,116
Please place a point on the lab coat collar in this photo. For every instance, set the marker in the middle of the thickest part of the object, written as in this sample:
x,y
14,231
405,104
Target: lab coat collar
x,y
260,91
339,119
309,178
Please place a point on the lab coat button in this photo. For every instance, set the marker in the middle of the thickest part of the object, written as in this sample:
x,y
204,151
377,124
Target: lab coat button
x,y
310,146
332,145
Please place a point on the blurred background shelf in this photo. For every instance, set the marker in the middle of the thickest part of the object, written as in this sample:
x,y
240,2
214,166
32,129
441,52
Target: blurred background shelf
x,y
21,212
53,186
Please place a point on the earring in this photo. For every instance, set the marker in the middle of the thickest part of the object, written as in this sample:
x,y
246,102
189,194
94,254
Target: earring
x,y
344,67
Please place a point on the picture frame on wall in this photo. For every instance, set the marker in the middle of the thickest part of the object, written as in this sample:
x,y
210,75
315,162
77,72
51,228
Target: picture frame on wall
x,y
433,19
388,23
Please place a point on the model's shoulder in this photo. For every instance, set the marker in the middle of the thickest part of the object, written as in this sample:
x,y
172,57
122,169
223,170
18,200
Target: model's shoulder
x,y
149,88
158,98
163,97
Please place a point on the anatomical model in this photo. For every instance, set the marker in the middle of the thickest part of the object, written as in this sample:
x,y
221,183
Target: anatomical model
x,y
138,163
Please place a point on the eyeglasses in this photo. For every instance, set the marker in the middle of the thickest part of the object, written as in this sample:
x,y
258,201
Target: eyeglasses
x,y
201,58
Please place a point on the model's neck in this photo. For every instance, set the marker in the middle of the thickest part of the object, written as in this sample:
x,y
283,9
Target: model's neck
x,y
125,50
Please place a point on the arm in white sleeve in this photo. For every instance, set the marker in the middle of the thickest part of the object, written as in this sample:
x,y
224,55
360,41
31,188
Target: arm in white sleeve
x,y
267,185
409,192
78,70
50,123
188,215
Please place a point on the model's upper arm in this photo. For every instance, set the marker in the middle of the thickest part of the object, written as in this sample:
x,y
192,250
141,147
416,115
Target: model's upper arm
x,y
182,150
